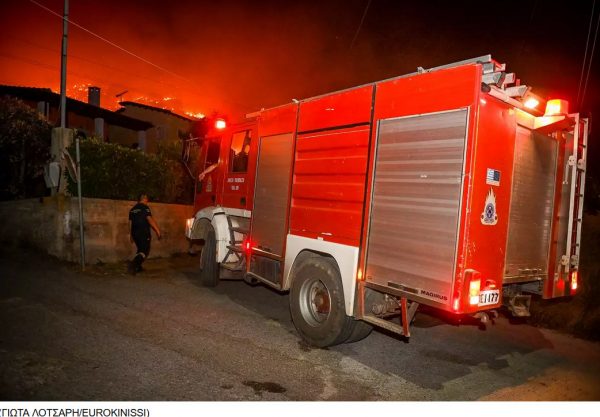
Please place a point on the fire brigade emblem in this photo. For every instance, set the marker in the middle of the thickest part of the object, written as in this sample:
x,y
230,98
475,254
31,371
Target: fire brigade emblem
x,y
489,217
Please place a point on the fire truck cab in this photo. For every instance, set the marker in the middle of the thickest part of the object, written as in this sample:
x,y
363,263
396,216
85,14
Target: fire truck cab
x,y
453,187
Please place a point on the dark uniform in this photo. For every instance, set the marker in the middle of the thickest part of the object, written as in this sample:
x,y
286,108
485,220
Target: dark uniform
x,y
140,232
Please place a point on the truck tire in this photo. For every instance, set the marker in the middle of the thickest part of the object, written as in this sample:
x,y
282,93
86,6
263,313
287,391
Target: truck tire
x,y
209,268
317,303
360,330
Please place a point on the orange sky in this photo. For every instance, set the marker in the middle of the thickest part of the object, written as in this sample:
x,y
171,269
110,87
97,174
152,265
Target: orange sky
x,y
236,56
198,79
216,52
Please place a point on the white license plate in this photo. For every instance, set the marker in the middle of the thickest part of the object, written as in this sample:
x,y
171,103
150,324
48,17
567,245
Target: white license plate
x,y
489,297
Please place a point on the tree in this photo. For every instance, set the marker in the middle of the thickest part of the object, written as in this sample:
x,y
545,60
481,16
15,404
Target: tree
x,y
25,138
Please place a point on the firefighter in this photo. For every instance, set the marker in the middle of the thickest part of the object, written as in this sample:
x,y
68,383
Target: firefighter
x,y
140,222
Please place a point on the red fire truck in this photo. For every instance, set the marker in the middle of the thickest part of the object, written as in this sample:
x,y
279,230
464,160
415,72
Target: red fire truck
x,y
453,187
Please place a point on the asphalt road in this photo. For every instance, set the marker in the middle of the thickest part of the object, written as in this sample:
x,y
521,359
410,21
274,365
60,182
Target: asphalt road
x,y
104,335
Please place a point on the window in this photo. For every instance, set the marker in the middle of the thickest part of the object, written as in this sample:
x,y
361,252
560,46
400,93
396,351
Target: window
x,y
238,154
212,155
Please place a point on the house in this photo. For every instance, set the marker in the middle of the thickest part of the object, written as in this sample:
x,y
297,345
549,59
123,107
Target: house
x,y
88,118
168,127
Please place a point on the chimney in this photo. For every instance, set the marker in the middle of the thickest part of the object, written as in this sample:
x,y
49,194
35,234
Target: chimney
x,y
94,96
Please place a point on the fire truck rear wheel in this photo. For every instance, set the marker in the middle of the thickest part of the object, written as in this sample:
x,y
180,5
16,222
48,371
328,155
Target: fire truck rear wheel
x,y
209,273
317,303
363,329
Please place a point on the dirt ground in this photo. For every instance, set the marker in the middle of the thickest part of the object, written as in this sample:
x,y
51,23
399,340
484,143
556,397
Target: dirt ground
x,y
578,315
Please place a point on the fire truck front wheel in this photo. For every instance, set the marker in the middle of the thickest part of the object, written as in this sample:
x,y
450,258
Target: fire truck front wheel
x,y
209,273
317,303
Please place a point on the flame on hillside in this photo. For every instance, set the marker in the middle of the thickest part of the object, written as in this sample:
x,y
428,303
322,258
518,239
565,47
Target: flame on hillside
x,y
80,92
195,115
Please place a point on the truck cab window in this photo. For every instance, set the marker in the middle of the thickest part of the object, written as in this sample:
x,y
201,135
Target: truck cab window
x,y
212,155
238,154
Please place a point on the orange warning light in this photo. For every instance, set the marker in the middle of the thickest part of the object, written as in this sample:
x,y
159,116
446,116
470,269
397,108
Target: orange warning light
x,y
556,106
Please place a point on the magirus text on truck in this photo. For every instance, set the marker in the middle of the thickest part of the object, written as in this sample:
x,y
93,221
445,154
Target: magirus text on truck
x,y
453,187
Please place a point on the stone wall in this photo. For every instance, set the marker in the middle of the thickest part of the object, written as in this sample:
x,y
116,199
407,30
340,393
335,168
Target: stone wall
x,y
52,225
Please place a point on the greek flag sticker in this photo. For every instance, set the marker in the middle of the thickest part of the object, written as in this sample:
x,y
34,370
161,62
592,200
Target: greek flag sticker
x,y
493,177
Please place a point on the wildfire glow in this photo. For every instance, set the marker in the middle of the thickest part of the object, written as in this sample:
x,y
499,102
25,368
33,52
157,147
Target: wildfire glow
x,y
195,115
79,91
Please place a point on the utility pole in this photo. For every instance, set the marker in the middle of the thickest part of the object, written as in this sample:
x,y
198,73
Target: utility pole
x,y
63,67
63,125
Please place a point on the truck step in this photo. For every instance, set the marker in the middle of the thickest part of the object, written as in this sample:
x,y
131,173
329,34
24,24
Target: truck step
x,y
231,271
241,230
386,324
236,249
233,266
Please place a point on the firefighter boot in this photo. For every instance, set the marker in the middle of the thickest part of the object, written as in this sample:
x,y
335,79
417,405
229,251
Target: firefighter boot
x,y
135,265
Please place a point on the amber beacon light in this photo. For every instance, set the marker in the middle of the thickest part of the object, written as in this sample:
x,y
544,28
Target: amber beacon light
x,y
556,107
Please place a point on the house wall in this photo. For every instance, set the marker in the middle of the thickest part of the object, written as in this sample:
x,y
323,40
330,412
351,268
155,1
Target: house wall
x,y
122,136
51,224
166,126
113,134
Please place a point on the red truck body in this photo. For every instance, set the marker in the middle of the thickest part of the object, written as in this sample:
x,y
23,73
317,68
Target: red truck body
x,y
439,188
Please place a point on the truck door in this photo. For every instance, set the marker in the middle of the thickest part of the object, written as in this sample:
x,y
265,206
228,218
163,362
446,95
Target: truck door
x,y
546,208
206,183
239,163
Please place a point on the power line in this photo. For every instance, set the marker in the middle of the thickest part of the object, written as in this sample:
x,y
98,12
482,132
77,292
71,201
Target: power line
x,y
51,67
237,104
101,64
587,43
362,19
589,68
110,42
104,81
30,61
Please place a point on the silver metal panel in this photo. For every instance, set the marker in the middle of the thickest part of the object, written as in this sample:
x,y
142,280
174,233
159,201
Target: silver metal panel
x,y
581,166
532,203
416,202
271,192
565,206
572,163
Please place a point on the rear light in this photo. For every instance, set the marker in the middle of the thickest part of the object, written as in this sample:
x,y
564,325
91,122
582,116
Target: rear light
x,y
474,289
574,276
247,246
456,304
359,275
